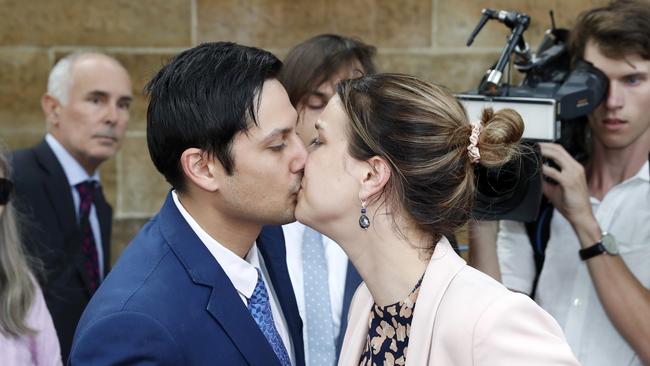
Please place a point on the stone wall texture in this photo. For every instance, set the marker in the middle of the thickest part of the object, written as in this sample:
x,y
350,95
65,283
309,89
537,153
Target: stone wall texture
x,y
425,38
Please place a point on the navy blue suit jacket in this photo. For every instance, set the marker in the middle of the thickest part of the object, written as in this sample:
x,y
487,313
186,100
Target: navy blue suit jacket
x,y
52,235
168,302
352,281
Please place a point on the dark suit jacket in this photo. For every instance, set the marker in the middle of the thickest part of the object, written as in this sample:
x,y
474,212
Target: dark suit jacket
x,y
168,302
51,234
352,281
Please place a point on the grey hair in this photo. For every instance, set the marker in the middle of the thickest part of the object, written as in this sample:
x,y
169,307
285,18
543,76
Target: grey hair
x,y
60,79
17,283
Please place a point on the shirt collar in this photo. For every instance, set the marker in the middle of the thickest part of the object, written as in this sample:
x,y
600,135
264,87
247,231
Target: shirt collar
x,y
71,167
644,173
241,272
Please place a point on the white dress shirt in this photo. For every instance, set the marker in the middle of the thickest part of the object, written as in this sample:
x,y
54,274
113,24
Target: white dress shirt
x,y
77,174
242,273
565,288
337,269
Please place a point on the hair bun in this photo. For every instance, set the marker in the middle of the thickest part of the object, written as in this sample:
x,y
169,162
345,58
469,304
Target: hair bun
x,y
500,136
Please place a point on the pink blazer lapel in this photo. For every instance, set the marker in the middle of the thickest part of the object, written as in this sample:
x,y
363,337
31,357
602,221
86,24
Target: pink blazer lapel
x,y
357,331
442,268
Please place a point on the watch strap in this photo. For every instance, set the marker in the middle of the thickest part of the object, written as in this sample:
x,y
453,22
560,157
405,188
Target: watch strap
x,y
592,251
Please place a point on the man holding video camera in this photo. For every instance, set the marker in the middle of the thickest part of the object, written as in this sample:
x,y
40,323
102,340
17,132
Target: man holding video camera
x,y
595,279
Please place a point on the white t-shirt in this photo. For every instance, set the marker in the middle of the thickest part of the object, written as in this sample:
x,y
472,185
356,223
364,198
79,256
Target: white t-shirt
x,y
565,288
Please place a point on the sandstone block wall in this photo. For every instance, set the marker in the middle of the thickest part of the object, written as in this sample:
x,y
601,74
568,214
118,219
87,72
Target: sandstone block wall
x,y
421,37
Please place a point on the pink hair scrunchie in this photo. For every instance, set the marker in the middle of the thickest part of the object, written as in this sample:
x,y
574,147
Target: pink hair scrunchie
x,y
472,149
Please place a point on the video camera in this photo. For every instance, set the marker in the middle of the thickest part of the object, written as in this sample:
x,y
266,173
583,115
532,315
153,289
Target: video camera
x,y
552,96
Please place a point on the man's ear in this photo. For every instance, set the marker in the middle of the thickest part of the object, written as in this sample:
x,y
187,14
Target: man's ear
x,y
201,169
51,108
375,176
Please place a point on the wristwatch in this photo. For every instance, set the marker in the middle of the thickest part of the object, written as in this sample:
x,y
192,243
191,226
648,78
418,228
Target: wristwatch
x,y
607,244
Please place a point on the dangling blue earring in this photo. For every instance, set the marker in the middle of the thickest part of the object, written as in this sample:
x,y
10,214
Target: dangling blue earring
x,y
364,221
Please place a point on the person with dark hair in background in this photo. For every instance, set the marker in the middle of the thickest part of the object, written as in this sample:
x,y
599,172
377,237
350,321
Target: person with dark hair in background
x,y
58,184
396,156
323,278
27,335
313,68
197,286
595,278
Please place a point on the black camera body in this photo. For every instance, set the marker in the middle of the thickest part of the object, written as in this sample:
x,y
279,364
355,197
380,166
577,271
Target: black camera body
x,y
553,94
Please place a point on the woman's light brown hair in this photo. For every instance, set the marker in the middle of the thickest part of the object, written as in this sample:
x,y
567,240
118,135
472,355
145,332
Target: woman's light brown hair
x,y
422,130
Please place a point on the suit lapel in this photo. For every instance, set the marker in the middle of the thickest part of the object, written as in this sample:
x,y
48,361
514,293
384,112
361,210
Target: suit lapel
x,y
58,191
443,267
352,281
357,328
104,215
272,247
224,305
229,311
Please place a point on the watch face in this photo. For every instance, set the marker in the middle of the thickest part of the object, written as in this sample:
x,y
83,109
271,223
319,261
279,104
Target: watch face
x,y
609,243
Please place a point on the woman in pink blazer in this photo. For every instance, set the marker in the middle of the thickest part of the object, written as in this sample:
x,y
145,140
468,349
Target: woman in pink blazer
x,y
389,177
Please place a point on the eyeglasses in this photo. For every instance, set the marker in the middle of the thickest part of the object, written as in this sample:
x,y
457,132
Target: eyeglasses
x,y
6,186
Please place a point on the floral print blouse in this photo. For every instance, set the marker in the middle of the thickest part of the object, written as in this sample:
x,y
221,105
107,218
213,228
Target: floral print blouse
x,y
388,336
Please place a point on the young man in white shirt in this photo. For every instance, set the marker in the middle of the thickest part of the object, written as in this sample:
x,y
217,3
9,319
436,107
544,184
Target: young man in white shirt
x,y
596,275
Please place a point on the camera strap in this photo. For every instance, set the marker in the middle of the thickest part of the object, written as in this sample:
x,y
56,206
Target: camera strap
x,y
539,233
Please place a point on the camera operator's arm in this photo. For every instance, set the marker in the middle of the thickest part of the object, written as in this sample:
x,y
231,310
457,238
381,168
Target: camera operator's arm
x,y
625,300
483,247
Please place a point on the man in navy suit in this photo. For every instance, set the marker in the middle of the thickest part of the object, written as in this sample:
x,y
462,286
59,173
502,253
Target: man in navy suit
x,y
199,285
87,109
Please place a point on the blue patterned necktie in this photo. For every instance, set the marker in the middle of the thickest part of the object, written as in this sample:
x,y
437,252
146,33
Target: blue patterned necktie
x,y
320,330
260,309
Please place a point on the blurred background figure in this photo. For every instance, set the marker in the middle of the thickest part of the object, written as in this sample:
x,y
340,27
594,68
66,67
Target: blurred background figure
x,y
323,278
27,335
87,109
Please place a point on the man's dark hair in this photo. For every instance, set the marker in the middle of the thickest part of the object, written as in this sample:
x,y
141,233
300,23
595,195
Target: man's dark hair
x,y
619,29
316,60
202,98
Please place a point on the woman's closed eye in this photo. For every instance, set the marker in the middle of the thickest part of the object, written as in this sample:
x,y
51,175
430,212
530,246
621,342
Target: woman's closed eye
x,y
316,142
313,144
